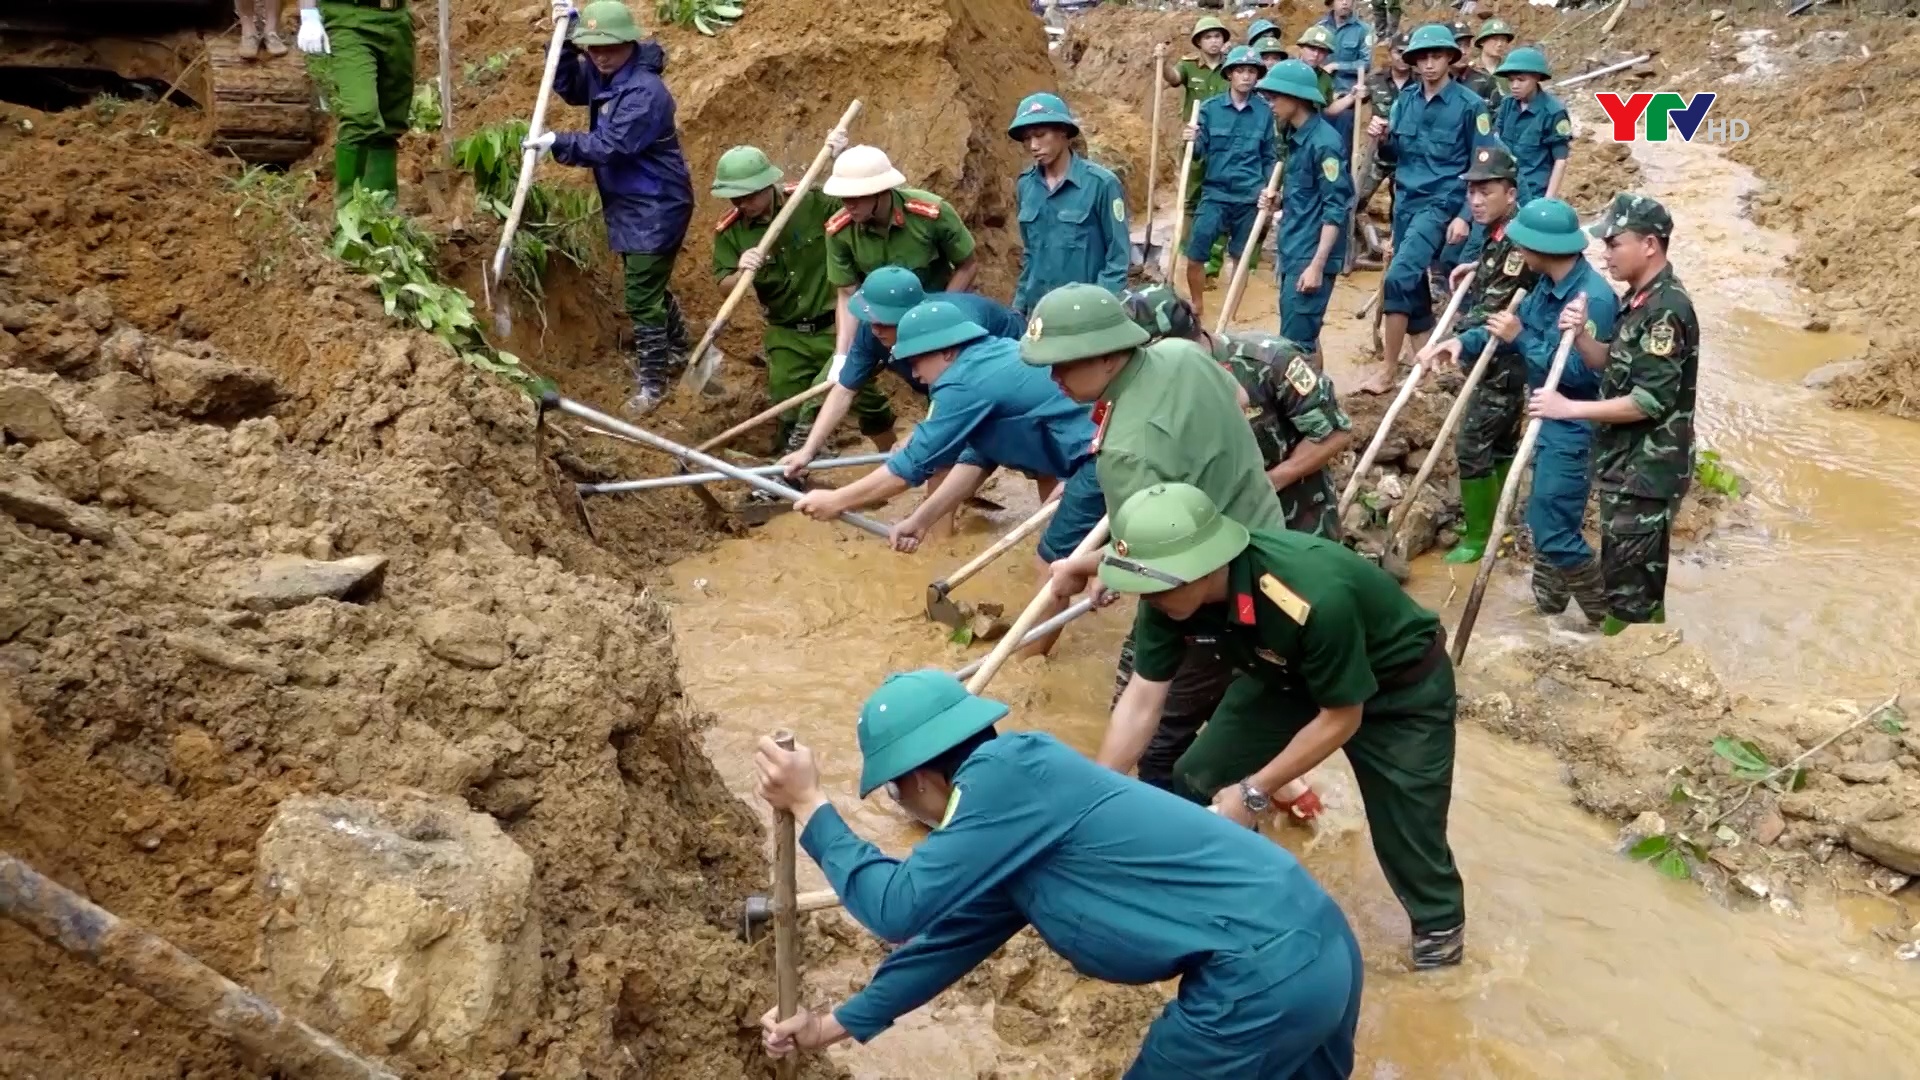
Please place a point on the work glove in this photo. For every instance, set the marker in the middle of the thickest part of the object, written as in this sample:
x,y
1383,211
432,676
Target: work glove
x,y
751,260
312,38
562,9
541,143
837,141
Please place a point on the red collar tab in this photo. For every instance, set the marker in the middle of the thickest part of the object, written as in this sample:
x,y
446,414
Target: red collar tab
x,y
1101,414
1243,609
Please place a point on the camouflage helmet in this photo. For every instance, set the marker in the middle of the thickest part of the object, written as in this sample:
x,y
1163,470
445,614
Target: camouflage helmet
x,y
1633,213
1161,312
1494,28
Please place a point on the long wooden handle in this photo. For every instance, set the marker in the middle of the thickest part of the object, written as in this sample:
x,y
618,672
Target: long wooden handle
x,y
766,243
1241,269
999,547
1444,438
1180,200
759,418
1463,632
1153,150
1362,110
786,938
1400,400
1040,602
446,76
531,158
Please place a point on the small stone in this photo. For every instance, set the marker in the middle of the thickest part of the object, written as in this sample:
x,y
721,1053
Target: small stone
x,y
1877,747
67,466
1884,810
222,655
1769,829
1418,458
1716,14
94,308
1816,325
28,500
1827,374
1801,806
159,477
1863,772
210,388
125,348
286,581
1894,844
121,395
1648,824
28,416
466,638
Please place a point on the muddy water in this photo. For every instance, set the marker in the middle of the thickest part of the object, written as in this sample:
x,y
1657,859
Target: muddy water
x,y
1581,964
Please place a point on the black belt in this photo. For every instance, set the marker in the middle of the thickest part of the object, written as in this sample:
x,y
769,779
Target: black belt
x,y
811,326
1427,663
382,5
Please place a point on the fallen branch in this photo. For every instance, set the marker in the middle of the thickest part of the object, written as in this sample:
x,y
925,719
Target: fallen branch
x,y
1787,769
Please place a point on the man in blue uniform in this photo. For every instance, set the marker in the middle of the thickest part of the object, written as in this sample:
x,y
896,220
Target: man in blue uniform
x,y
1073,214
1316,197
1431,135
1534,125
1128,883
1236,137
1352,59
1548,234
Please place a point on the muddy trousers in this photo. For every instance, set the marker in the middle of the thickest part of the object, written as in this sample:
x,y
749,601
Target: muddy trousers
x,y
1192,697
1402,758
1564,566
371,74
1489,433
1635,535
797,358
1419,235
660,340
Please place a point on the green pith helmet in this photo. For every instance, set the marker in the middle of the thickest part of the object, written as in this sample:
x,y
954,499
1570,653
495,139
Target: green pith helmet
x,y
1549,227
1161,312
604,22
1078,322
1241,56
1634,213
1167,536
1432,36
742,171
913,718
1400,42
1461,31
1525,60
1036,109
933,325
1493,162
1206,24
1270,46
887,295
1317,36
1493,28
1294,79
1262,27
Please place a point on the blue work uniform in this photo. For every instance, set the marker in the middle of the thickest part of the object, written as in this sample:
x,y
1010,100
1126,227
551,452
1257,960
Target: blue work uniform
x,y
1351,60
1431,139
990,409
1128,883
632,146
1240,145
867,356
1539,133
1561,477
1075,234
1317,190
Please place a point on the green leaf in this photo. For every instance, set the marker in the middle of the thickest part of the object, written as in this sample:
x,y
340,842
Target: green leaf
x,y
725,11
961,635
1673,865
1679,794
1657,844
1749,761
1796,779
700,24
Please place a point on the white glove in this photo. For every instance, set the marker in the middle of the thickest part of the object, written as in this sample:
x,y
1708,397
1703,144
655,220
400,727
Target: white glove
x,y
562,9
837,141
312,38
751,260
541,143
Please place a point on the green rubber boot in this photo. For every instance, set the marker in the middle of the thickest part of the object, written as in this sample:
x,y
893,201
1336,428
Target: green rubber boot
x,y
1478,497
348,163
1613,626
382,171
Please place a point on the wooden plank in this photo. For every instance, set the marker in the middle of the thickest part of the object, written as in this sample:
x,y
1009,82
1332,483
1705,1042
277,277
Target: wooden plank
x,y
268,120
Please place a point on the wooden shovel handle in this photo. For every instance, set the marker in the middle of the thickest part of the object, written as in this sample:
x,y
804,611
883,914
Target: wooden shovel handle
x,y
1400,401
531,158
1180,201
999,547
1242,269
1040,602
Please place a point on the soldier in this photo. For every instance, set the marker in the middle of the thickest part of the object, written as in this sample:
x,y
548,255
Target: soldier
x,y
1328,654
1386,19
1550,239
1272,50
1489,434
1351,60
1534,125
1431,135
1464,72
1643,451
1264,30
1316,201
1074,226
646,192
371,45
1383,89
1295,414
1201,76
1237,137
883,222
1494,40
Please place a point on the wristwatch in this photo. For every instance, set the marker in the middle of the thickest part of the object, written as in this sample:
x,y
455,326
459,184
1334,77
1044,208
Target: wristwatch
x,y
1255,799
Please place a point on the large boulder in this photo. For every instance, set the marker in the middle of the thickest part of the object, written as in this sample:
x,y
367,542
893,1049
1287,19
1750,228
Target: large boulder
x,y
411,918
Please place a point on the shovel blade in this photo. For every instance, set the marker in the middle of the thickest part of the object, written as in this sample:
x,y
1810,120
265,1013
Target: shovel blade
x,y
701,369
754,512
943,610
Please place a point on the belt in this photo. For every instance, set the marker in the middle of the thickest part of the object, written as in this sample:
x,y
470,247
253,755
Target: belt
x,y
1427,663
383,5
810,326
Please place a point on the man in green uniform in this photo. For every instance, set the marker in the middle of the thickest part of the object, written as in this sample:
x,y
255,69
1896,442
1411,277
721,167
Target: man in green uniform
x,y
1494,41
1261,31
1295,414
1386,19
371,43
1073,213
1489,434
1643,451
1201,76
1271,51
1330,655
1464,71
883,222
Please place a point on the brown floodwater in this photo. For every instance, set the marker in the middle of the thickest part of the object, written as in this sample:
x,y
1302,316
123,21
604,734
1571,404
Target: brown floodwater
x,y
1580,963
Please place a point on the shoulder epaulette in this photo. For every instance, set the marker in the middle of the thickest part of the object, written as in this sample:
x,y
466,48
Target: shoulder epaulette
x,y
924,208
838,221
726,220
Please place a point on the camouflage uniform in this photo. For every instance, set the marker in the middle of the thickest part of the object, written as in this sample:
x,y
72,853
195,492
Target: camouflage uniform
x,y
1489,434
1288,403
1642,469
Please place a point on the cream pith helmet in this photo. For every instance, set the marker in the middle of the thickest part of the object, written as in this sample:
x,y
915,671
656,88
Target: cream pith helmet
x,y
862,170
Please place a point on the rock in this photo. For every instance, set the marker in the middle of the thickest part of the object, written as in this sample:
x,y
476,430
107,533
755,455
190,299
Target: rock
x,y
222,655
121,396
1894,844
1816,325
1825,47
1876,747
1769,828
1716,14
1419,528
410,919
1648,824
1861,772
1884,810
94,308
210,388
285,581
1801,806
158,477
126,349
1356,519
28,416
1392,487
466,638
66,465
1418,458
28,500
1827,374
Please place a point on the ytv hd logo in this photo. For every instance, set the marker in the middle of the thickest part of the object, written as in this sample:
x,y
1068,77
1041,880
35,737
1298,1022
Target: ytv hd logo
x,y
1666,111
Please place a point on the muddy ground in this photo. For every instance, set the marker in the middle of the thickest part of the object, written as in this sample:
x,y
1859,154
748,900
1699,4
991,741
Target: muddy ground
x,y
191,389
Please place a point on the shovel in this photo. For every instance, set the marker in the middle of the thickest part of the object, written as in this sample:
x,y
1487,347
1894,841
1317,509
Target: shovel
x,y
1153,168
1400,401
940,608
491,282
1239,283
1180,214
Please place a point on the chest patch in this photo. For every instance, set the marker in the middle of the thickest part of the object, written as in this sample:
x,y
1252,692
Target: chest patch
x,y
1285,599
1660,338
1514,264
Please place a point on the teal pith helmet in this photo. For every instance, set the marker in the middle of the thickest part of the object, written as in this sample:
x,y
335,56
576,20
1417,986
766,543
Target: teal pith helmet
x,y
1166,536
933,325
1525,60
1318,37
604,22
1241,56
887,295
1260,28
1035,109
1078,322
1494,162
1160,311
1549,227
913,718
1429,37
742,171
1294,79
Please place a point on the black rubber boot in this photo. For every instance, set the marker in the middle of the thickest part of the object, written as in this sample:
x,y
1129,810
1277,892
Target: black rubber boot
x,y
1589,589
679,344
1550,593
1439,948
650,366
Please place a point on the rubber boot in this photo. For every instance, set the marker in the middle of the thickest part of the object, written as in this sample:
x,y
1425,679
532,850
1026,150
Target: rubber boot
x,y
1550,593
649,366
1478,497
1613,625
1589,589
678,341
1439,948
382,170
349,160
1500,471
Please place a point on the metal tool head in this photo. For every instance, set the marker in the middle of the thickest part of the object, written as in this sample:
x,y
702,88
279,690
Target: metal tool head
x,y
755,914
701,369
942,609
759,512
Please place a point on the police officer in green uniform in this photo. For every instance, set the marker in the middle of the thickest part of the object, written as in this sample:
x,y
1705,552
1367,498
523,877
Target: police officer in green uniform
x,y
1329,654
371,43
1295,414
1201,76
1489,433
1271,51
1383,89
1074,226
1265,30
1650,371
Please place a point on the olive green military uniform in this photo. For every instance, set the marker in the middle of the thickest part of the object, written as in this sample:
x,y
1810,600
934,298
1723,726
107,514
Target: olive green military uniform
x,y
1480,83
916,229
371,69
1382,92
1489,433
1642,469
1288,403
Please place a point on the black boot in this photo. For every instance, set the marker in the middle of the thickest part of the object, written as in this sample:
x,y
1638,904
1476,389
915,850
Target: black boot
x,y
1439,948
678,343
1550,593
650,365
1589,589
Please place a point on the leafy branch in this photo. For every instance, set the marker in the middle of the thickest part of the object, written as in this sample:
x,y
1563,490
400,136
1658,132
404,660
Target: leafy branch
x,y
1752,765
1711,473
557,221
707,16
